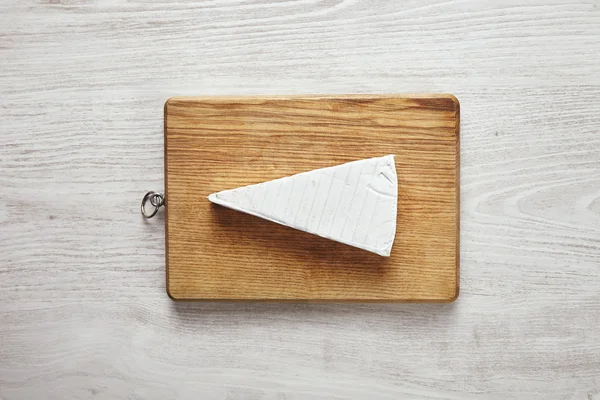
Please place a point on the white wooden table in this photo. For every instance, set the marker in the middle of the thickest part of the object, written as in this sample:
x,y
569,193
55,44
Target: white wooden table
x,y
83,309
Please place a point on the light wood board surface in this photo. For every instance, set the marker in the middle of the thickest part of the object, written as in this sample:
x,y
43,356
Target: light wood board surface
x,y
83,309
219,143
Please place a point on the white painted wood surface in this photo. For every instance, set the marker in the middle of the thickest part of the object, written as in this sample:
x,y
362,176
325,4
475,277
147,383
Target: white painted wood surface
x,y
83,309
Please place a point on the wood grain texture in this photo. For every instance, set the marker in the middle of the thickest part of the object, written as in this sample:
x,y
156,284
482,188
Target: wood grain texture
x,y
213,144
83,310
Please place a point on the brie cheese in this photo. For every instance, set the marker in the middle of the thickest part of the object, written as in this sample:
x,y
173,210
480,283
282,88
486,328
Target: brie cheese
x,y
353,203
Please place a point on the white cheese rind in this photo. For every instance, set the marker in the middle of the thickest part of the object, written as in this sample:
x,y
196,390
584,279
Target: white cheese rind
x,y
353,203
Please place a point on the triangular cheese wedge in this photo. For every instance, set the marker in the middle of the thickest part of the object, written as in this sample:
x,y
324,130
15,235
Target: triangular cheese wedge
x,y
353,203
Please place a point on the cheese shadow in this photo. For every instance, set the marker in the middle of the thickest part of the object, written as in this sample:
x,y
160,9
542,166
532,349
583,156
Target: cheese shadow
x,y
245,231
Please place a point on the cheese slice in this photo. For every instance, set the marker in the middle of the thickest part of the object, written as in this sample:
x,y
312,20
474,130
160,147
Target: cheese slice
x,y
353,203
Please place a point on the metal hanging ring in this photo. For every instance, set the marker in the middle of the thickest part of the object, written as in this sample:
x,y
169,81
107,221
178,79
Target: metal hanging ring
x,y
157,200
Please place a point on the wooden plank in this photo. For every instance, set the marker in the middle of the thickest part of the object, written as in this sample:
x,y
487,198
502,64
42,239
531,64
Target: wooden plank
x,y
213,144
83,307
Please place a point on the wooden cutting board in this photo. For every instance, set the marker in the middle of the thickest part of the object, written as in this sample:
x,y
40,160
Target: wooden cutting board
x,y
213,143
